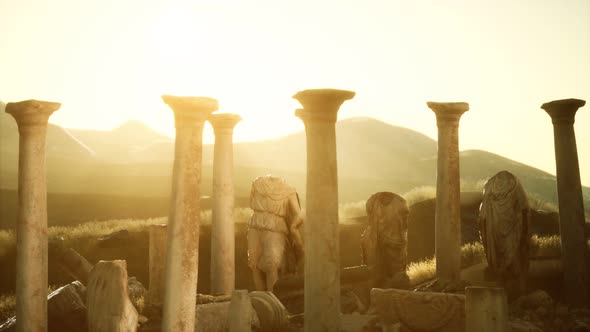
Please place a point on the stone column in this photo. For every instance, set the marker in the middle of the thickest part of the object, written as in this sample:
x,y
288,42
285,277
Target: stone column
x,y
190,114
486,309
322,258
448,204
571,205
157,261
222,226
31,231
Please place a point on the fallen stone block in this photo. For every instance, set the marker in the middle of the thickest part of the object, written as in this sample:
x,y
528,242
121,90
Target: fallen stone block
x,y
419,311
66,311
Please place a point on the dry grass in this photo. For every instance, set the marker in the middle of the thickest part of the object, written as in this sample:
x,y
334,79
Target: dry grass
x,y
7,306
422,271
473,253
94,229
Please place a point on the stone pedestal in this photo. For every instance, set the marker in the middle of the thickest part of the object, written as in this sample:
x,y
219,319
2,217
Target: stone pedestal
x,y
448,204
222,226
486,309
571,204
190,114
322,259
31,231
419,311
157,261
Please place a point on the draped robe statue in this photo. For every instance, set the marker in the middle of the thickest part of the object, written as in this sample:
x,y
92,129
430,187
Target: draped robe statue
x,y
504,220
275,245
384,242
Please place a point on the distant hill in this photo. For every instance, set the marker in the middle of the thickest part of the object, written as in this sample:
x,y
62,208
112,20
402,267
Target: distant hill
x,y
124,144
134,160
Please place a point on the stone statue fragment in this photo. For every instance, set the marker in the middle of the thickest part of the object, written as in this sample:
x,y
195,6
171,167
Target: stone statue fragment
x,y
275,245
384,242
504,220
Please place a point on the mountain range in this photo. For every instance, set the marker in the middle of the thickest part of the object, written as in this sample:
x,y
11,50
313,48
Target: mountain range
x,y
134,160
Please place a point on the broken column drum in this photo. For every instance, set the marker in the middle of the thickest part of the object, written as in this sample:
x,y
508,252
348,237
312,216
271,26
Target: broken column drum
x,y
322,263
31,231
448,204
486,309
222,224
571,205
190,114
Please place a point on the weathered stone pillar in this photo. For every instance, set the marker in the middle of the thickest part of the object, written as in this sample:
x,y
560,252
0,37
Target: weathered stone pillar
x,y
31,231
486,309
322,259
157,261
190,114
571,205
222,226
448,204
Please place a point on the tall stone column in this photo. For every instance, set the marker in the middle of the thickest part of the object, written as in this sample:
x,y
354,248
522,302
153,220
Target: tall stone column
x,y
190,114
571,204
322,258
448,204
31,231
222,226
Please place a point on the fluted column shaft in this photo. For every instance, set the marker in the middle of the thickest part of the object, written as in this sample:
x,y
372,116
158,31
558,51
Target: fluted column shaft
x,y
190,114
448,204
322,258
222,226
574,249
31,230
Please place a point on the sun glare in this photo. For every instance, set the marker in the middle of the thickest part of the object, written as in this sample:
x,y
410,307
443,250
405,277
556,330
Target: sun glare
x,y
190,53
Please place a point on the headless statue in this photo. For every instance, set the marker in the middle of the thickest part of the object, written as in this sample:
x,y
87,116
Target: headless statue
x,y
384,242
275,245
504,220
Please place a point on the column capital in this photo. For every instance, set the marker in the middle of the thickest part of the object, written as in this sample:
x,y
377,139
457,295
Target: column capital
x,y
32,112
321,104
448,112
224,122
563,110
190,109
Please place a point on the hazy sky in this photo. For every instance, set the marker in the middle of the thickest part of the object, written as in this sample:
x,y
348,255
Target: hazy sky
x,y
109,61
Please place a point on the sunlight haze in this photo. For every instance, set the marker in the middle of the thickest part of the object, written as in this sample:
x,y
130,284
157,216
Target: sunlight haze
x,y
110,61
